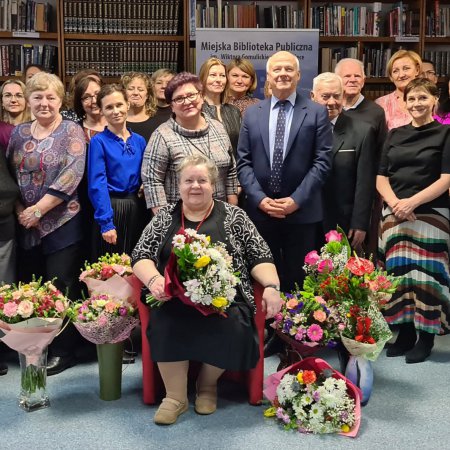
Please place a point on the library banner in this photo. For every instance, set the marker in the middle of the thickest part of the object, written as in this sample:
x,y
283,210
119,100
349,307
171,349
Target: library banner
x,y
257,45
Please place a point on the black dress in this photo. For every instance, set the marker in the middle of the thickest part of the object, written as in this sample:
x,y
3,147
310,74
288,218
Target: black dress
x,y
178,332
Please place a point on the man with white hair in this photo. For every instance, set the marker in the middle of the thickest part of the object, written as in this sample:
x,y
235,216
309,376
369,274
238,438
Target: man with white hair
x,y
349,191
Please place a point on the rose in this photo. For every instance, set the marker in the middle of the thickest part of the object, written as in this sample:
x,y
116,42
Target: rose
x,y
320,315
325,265
312,258
333,235
292,303
60,306
25,309
320,300
10,309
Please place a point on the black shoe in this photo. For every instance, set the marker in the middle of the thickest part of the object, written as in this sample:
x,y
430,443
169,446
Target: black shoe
x,y
406,340
422,350
274,346
58,364
3,368
127,358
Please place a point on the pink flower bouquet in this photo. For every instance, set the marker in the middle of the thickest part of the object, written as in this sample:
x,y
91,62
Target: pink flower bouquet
x,y
112,274
311,397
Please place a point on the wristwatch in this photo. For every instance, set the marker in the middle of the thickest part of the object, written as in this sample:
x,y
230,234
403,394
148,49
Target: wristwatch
x,y
273,286
37,213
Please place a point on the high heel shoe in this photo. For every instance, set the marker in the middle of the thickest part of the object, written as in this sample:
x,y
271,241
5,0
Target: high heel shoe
x,y
166,415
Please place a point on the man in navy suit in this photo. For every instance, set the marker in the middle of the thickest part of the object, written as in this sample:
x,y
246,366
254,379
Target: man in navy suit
x,y
286,212
350,189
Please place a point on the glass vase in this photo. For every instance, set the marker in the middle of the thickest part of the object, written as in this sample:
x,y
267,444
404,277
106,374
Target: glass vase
x,y
33,381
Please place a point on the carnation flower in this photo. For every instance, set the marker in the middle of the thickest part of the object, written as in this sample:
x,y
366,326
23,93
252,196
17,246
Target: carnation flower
x,y
10,309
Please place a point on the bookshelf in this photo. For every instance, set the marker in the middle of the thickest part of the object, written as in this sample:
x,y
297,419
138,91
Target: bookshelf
x,y
29,34
117,36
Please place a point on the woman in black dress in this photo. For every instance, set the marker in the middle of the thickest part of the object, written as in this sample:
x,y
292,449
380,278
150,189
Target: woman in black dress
x,y
179,333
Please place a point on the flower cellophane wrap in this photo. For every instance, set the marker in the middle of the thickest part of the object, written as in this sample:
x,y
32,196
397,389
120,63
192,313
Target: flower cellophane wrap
x,y
174,288
30,336
365,350
124,287
302,348
317,365
113,330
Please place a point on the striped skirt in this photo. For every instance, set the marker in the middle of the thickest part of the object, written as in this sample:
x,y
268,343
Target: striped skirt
x,y
418,251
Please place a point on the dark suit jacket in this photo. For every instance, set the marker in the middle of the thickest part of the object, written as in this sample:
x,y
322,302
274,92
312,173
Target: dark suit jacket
x,y
350,189
306,164
373,114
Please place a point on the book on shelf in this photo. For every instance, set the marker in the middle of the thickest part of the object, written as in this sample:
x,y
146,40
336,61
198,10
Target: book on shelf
x,y
15,57
329,57
441,61
437,20
114,58
157,17
25,15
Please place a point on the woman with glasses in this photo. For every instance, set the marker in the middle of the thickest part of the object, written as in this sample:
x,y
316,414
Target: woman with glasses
x,y
14,106
114,177
47,156
138,87
187,132
214,80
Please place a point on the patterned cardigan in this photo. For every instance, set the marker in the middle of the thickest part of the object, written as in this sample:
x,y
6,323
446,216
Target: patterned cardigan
x,y
248,247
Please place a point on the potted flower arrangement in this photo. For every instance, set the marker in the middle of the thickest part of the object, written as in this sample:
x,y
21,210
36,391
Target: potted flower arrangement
x,y
311,397
106,321
199,273
31,315
307,324
358,291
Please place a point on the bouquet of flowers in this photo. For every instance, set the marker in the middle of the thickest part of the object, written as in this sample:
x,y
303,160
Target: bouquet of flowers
x,y
311,397
356,289
199,273
112,274
31,315
308,322
104,319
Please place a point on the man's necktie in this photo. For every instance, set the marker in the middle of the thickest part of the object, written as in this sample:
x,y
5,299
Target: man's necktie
x,y
277,161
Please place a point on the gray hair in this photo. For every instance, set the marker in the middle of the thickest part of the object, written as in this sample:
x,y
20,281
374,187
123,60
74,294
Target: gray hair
x,y
199,160
353,60
297,62
327,77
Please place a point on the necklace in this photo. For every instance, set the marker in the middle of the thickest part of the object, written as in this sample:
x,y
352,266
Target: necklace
x,y
35,133
208,155
204,217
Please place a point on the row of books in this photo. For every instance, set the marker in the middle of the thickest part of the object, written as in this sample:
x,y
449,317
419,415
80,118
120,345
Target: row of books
x,y
25,15
247,16
15,57
112,59
337,20
375,61
329,57
115,17
437,21
340,20
441,61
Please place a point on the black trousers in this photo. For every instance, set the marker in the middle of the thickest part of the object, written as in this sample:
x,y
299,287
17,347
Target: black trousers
x,y
65,265
289,244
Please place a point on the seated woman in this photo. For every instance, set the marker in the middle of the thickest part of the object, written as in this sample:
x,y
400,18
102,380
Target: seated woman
x,y
114,177
413,179
179,333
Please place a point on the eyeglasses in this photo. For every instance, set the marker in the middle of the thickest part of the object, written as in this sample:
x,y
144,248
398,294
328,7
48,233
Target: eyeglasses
x,y
89,98
190,97
9,96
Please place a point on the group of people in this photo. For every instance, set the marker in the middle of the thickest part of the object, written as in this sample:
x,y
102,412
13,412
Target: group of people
x,y
86,178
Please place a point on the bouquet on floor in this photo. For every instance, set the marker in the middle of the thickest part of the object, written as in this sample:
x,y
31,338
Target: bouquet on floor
x,y
307,323
311,397
112,274
104,319
31,315
199,273
356,289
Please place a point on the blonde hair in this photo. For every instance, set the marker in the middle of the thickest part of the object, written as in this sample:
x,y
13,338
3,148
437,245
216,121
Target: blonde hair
x,y
404,54
43,81
5,116
204,72
150,102
247,67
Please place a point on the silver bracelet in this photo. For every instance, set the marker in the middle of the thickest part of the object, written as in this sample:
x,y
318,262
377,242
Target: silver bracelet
x,y
152,280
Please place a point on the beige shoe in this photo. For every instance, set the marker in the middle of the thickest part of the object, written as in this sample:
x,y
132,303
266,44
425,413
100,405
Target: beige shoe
x,y
166,415
206,403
